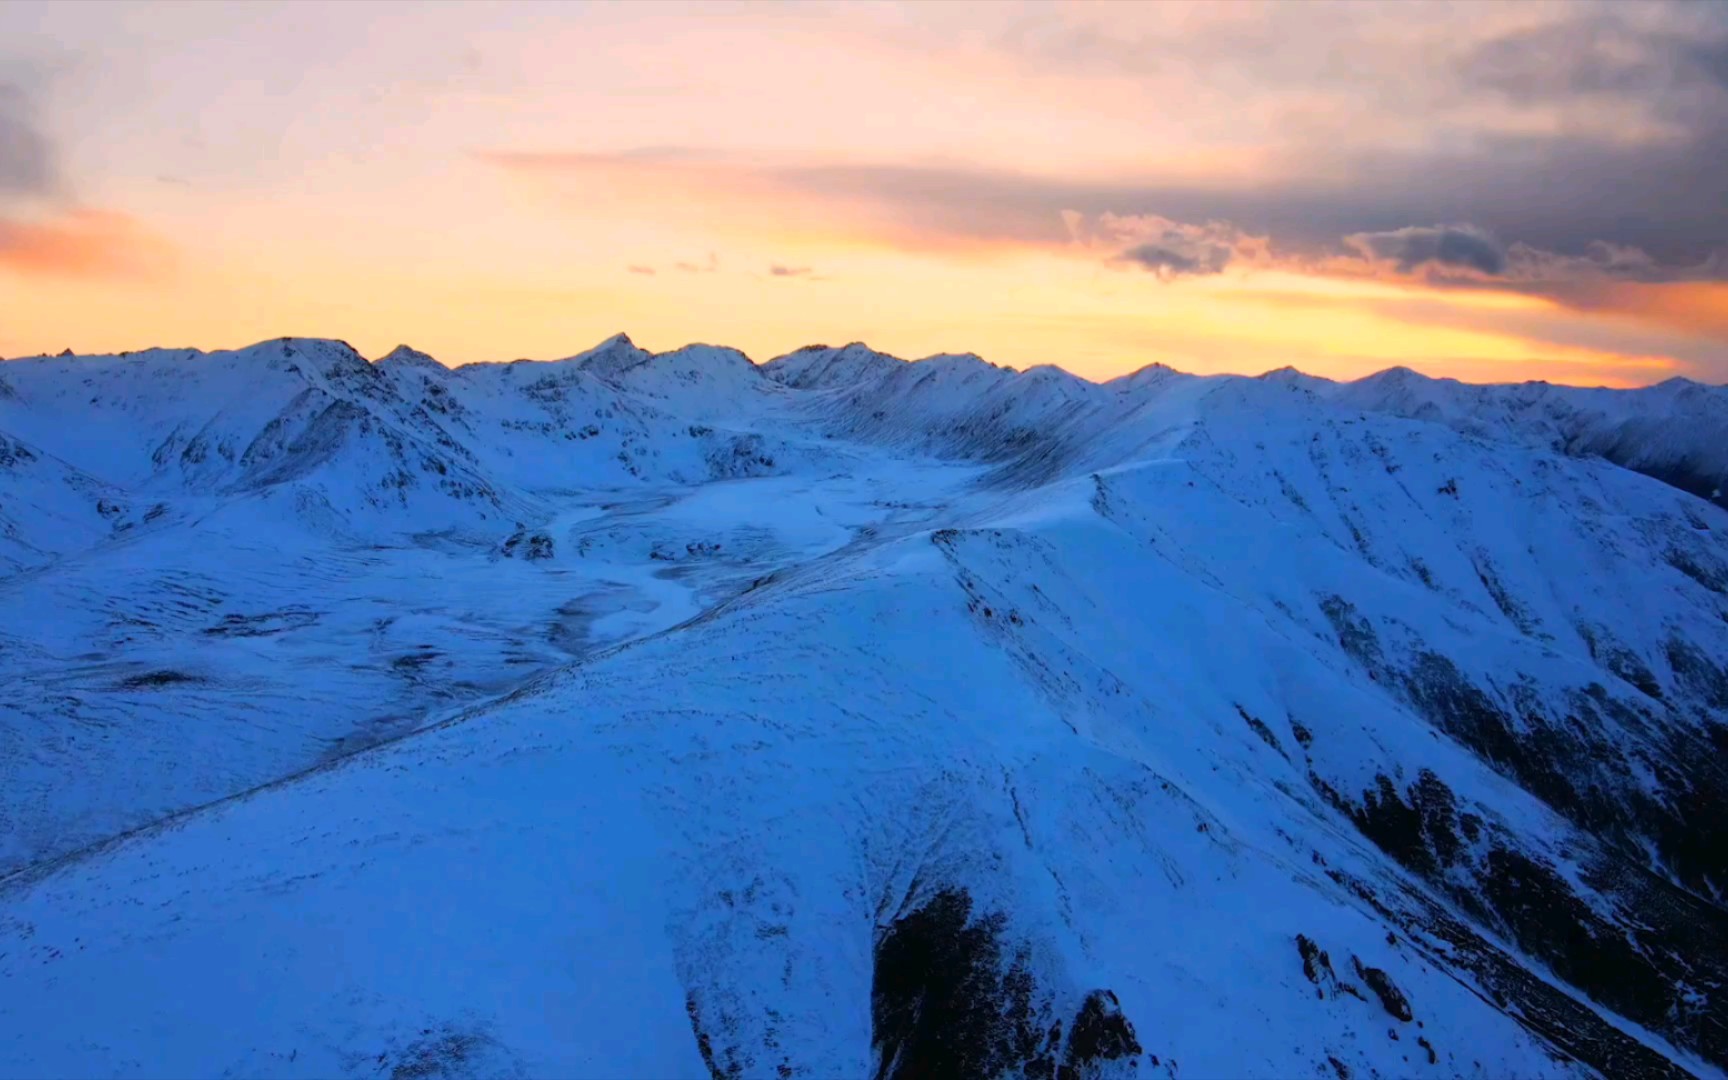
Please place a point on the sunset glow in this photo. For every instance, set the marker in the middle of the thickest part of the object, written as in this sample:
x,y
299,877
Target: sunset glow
x,y
1496,193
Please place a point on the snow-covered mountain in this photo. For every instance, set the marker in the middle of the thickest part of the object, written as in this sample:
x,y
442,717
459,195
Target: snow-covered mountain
x,y
1675,431
662,714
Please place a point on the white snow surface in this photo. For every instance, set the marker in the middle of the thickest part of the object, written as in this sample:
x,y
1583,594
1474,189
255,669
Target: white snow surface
x,y
603,716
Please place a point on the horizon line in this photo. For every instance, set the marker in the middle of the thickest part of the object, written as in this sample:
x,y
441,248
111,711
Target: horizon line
x,y
624,338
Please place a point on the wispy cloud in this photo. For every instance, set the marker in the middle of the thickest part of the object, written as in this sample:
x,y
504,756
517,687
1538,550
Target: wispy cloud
x,y
637,268
782,271
81,243
709,267
1697,309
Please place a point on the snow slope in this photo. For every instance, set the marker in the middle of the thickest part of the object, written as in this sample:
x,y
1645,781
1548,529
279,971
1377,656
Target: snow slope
x,y
1676,431
847,717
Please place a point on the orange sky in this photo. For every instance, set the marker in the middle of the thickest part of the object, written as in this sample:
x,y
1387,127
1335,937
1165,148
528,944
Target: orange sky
x,y
1220,187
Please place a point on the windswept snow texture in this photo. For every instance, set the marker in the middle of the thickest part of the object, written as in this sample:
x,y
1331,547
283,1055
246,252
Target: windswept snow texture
x,y
668,715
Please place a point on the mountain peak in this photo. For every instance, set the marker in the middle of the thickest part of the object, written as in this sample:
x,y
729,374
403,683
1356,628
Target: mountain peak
x,y
404,356
958,361
1148,375
612,357
822,366
1397,374
1679,382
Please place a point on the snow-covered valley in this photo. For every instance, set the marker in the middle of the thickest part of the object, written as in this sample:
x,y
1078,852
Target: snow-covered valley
x,y
669,715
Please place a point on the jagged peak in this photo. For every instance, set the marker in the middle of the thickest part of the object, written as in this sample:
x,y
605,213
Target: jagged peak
x,y
614,356
617,343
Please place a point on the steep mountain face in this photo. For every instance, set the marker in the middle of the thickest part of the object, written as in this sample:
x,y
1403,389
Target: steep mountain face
x,y
846,716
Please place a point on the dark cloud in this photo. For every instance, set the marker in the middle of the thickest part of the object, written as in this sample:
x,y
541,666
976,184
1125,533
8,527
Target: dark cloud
x,y
1533,210
1170,261
1166,263
1556,195
1671,67
777,270
27,165
1446,247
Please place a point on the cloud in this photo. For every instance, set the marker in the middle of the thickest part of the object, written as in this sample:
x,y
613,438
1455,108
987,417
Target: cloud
x,y
81,243
1462,254
1551,194
709,267
1557,127
1169,249
1697,309
27,165
1449,254
1665,58
1442,247
1526,147
778,270
1167,263
636,268
1490,233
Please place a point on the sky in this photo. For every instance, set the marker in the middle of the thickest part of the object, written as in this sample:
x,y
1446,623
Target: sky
x,y
1494,192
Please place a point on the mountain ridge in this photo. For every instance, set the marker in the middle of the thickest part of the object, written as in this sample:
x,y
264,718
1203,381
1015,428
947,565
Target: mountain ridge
x,y
680,718
1675,431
